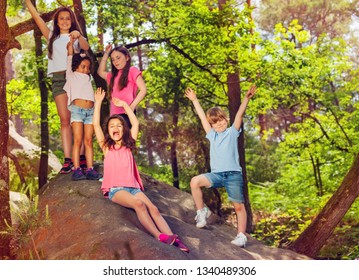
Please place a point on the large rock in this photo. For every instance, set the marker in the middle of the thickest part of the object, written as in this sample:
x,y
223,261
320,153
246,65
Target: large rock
x,y
84,225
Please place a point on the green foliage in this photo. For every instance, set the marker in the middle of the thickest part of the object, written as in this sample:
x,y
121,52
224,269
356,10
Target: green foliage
x,y
343,244
161,173
28,219
281,229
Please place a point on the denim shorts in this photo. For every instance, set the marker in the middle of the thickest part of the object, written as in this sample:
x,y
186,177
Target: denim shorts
x,y
114,190
231,180
58,83
83,115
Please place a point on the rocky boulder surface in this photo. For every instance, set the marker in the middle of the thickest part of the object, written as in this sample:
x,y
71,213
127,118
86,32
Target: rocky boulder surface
x,y
86,226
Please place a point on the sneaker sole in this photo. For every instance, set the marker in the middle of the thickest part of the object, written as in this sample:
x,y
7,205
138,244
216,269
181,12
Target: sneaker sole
x,y
241,246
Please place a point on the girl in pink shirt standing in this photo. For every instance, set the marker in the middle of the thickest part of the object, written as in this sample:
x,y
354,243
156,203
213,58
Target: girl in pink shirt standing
x,y
124,80
121,182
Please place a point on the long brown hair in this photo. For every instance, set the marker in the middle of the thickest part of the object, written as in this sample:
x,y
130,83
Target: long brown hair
x,y
56,31
127,139
122,83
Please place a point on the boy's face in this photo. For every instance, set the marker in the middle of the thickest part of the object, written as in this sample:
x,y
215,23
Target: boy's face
x,y
220,125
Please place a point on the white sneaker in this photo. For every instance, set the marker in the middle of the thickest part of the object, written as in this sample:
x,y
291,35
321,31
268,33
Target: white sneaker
x,y
201,217
240,240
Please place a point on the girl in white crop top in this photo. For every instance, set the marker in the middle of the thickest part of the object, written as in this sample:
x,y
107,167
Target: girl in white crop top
x,y
81,105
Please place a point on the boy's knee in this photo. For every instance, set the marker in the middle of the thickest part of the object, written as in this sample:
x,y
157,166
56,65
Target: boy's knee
x,y
195,183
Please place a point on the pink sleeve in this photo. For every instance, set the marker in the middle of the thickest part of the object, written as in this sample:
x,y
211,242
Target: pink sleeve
x,y
135,72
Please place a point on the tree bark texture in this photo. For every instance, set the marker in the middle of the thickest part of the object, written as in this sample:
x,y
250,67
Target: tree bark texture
x,y
313,238
7,42
5,46
234,93
174,158
45,139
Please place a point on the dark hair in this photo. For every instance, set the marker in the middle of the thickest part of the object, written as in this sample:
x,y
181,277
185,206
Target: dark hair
x,y
77,58
127,139
122,83
56,30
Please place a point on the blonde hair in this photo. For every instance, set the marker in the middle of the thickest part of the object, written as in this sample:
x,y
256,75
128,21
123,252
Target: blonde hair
x,y
216,114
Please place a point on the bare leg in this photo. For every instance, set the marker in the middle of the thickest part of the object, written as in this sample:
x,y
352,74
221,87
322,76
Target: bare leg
x,y
77,128
126,199
89,130
241,214
65,115
155,214
196,184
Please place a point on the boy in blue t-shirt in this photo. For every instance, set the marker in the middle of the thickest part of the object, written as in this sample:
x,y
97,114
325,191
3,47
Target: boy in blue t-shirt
x,y
224,160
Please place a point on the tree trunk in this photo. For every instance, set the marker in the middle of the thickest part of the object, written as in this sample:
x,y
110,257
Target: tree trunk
x,y
174,160
7,42
5,45
234,93
44,155
316,234
234,102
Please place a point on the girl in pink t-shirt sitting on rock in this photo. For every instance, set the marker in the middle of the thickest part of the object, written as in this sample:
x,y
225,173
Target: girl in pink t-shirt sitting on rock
x,y
121,181
124,80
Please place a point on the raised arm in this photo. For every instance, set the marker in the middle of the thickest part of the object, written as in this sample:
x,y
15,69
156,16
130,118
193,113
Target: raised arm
x,y
141,94
131,115
82,41
45,30
70,52
239,116
99,96
101,71
191,95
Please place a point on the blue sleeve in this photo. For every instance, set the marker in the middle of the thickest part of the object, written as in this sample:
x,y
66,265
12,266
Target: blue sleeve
x,y
210,134
234,131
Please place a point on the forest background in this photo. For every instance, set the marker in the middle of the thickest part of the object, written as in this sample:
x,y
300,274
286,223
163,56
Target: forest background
x,y
300,131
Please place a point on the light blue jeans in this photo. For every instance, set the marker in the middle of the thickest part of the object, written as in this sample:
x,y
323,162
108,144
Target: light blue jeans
x,y
114,190
231,180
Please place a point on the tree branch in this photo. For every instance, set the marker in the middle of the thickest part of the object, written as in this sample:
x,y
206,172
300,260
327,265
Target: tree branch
x,y
325,133
28,25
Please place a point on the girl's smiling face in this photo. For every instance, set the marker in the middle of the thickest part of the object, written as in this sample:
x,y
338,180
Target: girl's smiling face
x,y
115,129
118,59
64,21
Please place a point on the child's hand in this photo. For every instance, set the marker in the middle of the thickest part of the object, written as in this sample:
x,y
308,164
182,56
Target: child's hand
x,y
70,48
75,35
99,95
118,102
251,92
190,94
108,49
